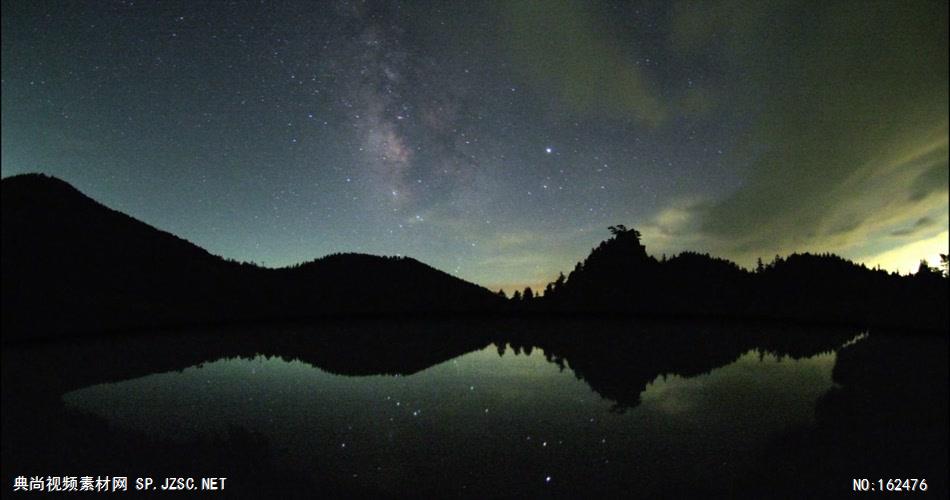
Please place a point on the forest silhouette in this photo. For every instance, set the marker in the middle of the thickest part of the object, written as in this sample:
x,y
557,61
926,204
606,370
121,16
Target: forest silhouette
x,y
72,265
620,277
617,359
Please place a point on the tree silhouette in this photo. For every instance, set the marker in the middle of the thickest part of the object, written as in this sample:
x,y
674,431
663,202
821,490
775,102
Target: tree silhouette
x,y
617,230
104,270
619,277
925,270
621,231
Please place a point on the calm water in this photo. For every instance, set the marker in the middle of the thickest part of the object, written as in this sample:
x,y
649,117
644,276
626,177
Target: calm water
x,y
452,417
574,415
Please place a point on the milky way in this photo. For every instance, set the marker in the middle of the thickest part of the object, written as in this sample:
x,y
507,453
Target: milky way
x,y
496,141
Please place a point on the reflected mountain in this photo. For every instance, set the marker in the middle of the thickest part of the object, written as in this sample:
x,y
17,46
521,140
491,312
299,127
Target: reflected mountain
x,y
94,300
617,359
885,418
620,361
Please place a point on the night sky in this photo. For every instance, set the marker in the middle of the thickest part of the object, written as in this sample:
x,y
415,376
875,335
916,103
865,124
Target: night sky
x,y
493,140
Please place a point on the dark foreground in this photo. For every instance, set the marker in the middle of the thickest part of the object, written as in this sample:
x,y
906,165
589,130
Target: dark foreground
x,y
508,408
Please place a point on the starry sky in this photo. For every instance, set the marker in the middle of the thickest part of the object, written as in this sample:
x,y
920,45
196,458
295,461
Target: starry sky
x,y
493,140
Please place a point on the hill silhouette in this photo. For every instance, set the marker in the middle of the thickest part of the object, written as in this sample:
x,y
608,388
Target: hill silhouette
x,y
71,265
618,360
620,277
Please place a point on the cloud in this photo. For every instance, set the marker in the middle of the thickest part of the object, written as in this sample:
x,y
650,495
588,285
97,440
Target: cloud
x,y
562,50
675,228
921,224
849,136
905,259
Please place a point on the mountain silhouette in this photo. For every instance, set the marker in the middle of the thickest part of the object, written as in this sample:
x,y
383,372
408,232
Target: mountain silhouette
x,y
619,277
71,265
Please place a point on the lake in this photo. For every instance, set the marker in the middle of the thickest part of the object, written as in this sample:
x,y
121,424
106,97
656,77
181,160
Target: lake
x,y
568,408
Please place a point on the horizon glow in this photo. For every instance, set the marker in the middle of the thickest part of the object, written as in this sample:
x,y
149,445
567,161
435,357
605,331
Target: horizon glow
x,y
495,142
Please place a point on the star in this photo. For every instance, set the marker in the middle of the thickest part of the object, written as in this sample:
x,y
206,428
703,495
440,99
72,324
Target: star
x,y
454,136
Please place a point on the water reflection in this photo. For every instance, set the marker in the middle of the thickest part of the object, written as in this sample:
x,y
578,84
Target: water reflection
x,y
576,409
438,425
